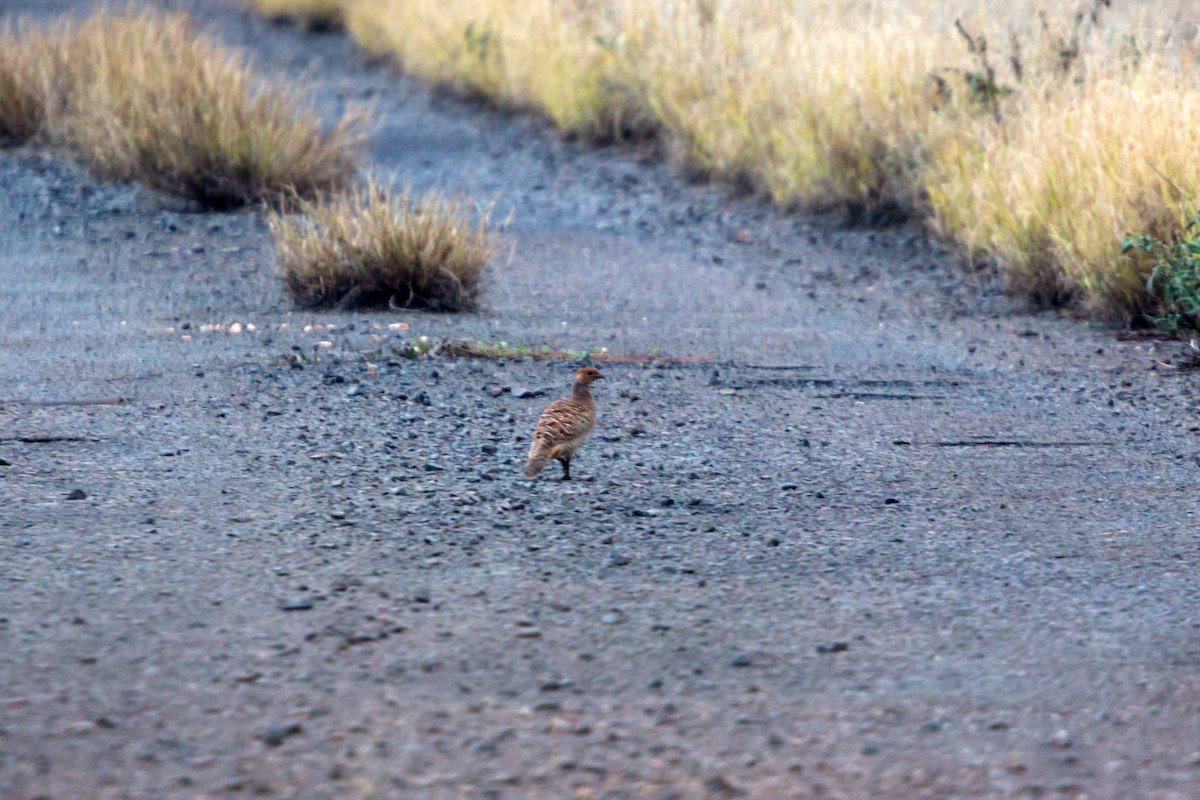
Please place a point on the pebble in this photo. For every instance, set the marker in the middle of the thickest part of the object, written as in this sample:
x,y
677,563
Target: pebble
x,y
5,463
526,393
275,735
297,604
833,647
740,660
77,494
1061,739
611,619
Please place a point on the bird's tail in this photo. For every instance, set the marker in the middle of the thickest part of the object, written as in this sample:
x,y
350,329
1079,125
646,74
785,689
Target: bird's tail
x,y
539,456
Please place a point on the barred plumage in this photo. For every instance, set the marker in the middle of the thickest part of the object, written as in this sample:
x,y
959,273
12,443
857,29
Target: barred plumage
x,y
564,426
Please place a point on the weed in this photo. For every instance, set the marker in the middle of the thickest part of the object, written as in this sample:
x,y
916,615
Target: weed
x,y
1175,278
370,249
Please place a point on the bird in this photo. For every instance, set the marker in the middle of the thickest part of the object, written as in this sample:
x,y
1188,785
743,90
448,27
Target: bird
x,y
564,426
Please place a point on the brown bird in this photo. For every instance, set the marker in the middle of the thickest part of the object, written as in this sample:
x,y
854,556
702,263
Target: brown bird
x,y
564,426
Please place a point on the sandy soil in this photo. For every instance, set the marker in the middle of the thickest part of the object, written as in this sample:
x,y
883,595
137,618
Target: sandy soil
x,y
900,539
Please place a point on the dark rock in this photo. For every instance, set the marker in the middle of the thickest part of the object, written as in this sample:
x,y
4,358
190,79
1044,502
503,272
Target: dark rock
x,y
526,393
275,735
297,604
719,785
77,494
740,660
833,647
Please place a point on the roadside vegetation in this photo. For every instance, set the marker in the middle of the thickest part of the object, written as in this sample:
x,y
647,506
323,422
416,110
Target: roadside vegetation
x,y
370,249
144,97
1033,136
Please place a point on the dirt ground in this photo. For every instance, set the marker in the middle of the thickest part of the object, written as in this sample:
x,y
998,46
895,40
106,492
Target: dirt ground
x,y
899,539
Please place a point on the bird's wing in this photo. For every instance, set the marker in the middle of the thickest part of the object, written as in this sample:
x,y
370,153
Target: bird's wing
x,y
562,421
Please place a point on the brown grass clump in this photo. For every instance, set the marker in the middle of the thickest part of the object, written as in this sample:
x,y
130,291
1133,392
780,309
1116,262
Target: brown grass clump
x,y
368,249
313,15
22,104
144,97
149,99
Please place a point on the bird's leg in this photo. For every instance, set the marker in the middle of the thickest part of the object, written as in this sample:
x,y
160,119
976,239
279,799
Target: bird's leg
x,y
566,465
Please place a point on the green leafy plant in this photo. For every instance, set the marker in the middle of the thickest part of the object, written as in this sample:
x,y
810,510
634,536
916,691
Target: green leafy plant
x,y
1175,279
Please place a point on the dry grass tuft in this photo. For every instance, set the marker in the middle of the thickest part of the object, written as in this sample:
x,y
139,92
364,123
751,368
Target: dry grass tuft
x,y
313,15
22,101
144,97
368,249
148,99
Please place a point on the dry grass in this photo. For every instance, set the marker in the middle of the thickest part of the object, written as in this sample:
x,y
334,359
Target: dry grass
x,y
144,97
1037,151
313,15
368,249
22,101
564,60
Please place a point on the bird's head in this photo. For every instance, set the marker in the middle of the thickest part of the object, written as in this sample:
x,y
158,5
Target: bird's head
x,y
587,375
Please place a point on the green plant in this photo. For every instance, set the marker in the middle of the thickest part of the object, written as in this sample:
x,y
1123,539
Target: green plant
x,y
1175,279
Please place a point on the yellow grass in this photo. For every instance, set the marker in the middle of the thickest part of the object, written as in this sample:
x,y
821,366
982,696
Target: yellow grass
x,y
22,101
876,105
370,249
144,97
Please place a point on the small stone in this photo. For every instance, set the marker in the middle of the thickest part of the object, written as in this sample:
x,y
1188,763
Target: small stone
x,y
5,463
337,514
740,660
526,393
611,619
891,501
1061,739
422,595
297,604
431,467
354,391
77,494
275,735
489,449
720,786
529,633
618,560
789,487
833,647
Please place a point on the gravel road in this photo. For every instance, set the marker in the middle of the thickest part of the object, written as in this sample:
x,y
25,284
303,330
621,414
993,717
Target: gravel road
x,y
884,534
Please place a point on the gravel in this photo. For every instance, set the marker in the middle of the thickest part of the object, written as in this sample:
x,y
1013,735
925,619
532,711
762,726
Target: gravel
x,y
1037,576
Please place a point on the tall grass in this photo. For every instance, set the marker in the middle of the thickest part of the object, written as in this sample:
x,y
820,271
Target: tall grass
x,y
1033,134
145,97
